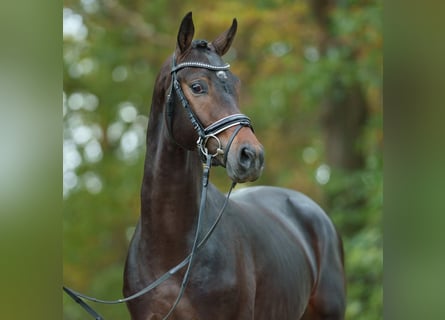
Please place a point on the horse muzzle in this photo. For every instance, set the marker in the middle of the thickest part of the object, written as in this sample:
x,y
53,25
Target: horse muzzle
x,y
238,149
245,162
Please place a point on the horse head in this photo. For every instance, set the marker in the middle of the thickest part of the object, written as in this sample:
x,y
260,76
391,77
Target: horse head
x,y
202,105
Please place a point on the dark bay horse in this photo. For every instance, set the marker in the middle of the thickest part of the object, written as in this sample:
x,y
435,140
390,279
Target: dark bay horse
x,y
274,254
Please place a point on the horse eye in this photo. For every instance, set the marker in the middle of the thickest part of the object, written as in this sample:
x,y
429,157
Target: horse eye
x,y
197,88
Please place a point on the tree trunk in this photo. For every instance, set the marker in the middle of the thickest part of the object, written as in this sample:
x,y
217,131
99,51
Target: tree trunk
x,y
343,117
344,110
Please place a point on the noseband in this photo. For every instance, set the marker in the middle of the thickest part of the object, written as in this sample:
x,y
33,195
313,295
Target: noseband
x,y
204,133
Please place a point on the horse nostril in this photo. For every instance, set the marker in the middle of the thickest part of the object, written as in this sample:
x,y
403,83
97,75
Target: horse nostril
x,y
247,156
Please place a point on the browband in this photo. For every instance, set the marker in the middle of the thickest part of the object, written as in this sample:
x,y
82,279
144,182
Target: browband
x,y
192,64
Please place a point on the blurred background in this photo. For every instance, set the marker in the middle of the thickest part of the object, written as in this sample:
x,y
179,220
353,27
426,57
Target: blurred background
x,y
311,74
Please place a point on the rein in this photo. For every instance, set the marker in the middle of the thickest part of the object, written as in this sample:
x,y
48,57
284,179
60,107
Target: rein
x,y
204,135
77,296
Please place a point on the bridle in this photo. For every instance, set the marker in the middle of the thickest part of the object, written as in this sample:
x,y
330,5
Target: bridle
x,y
204,134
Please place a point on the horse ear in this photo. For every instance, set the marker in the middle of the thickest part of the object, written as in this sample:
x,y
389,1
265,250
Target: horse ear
x,y
223,42
186,32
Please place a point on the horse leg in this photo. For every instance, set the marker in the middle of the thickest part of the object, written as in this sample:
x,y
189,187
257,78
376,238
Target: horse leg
x,y
328,301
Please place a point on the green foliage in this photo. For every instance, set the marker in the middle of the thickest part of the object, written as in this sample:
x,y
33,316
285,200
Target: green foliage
x,y
356,202
354,57
112,53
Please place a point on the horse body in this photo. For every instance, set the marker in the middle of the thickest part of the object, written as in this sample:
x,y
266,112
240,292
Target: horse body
x,y
274,254
298,255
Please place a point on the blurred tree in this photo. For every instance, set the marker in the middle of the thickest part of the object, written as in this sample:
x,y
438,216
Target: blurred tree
x,y
345,38
347,56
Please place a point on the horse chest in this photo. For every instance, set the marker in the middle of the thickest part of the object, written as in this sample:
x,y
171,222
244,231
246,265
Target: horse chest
x,y
212,293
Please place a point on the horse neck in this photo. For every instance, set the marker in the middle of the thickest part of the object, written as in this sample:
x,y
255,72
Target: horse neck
x,y
170,193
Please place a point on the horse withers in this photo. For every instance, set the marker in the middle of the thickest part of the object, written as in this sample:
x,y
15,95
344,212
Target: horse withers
x,y
274,254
